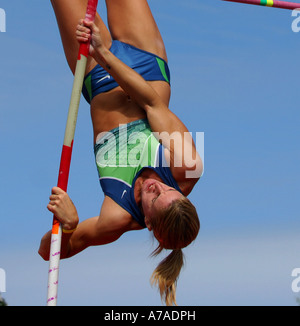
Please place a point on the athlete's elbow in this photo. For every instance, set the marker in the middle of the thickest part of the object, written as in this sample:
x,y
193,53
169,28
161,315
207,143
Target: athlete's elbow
x,y
150,102
149,106
194,168
155,110
43,254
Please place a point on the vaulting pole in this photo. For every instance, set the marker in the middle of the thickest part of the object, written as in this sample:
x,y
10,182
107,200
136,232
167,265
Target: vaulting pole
x,y
66,154
270,3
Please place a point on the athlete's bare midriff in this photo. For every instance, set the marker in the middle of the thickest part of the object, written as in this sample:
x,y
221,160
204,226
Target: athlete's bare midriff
x,y
110,109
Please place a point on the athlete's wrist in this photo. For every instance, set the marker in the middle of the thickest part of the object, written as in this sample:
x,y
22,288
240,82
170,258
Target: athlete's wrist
x,y
67,230
101,55
70,226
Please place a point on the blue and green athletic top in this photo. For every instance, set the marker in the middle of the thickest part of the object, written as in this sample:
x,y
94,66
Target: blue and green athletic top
x,y
121,156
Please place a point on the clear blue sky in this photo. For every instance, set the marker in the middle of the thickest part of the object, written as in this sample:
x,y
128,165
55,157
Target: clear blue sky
x,y
234,77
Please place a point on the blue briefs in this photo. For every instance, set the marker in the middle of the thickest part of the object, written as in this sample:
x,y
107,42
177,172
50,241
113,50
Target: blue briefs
x,y
148,65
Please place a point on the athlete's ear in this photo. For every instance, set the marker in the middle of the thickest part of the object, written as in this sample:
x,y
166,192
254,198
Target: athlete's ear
x,y
148,224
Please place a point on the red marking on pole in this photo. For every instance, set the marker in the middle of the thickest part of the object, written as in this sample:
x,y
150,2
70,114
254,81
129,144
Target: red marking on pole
x,y
64,168
84,49
63,177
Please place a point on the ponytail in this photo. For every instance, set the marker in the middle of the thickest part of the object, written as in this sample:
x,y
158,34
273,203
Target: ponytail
x,y
175,228
166,274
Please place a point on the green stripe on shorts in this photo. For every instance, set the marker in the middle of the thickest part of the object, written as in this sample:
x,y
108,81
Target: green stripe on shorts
x,y
162,68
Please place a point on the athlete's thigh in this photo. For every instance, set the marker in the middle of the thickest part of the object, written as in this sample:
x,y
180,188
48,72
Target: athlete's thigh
x,y
131,21
68,13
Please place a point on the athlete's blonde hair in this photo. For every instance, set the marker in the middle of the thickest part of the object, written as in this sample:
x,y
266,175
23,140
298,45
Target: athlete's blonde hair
x,y
174,228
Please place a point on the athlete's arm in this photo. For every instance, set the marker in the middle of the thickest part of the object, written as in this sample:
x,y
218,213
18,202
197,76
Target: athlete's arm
x,y
168,127
112,222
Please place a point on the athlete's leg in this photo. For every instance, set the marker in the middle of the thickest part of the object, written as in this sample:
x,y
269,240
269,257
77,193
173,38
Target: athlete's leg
x,y
131,21
68,13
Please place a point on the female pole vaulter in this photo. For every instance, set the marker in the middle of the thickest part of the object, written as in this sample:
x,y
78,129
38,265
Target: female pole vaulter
x,y
127,84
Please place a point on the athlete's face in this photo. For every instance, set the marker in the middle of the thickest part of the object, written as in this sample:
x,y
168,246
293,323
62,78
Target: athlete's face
x,y
155,197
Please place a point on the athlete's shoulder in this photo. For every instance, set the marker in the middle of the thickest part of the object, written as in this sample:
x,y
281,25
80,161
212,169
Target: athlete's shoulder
x,y
118,216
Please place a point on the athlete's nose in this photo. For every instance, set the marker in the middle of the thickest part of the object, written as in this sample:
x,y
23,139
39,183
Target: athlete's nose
x,y
160,187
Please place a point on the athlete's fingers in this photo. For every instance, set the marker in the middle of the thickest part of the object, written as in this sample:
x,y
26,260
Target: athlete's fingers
x,y
57,191
84,26
83,30
51,208
54,198
81,39
82,34
87,23
93,27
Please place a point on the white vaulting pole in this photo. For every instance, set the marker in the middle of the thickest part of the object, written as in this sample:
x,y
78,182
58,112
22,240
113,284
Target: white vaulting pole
x,y
66,155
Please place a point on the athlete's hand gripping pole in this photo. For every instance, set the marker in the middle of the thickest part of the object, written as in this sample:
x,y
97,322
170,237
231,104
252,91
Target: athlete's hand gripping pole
x,y
66,157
